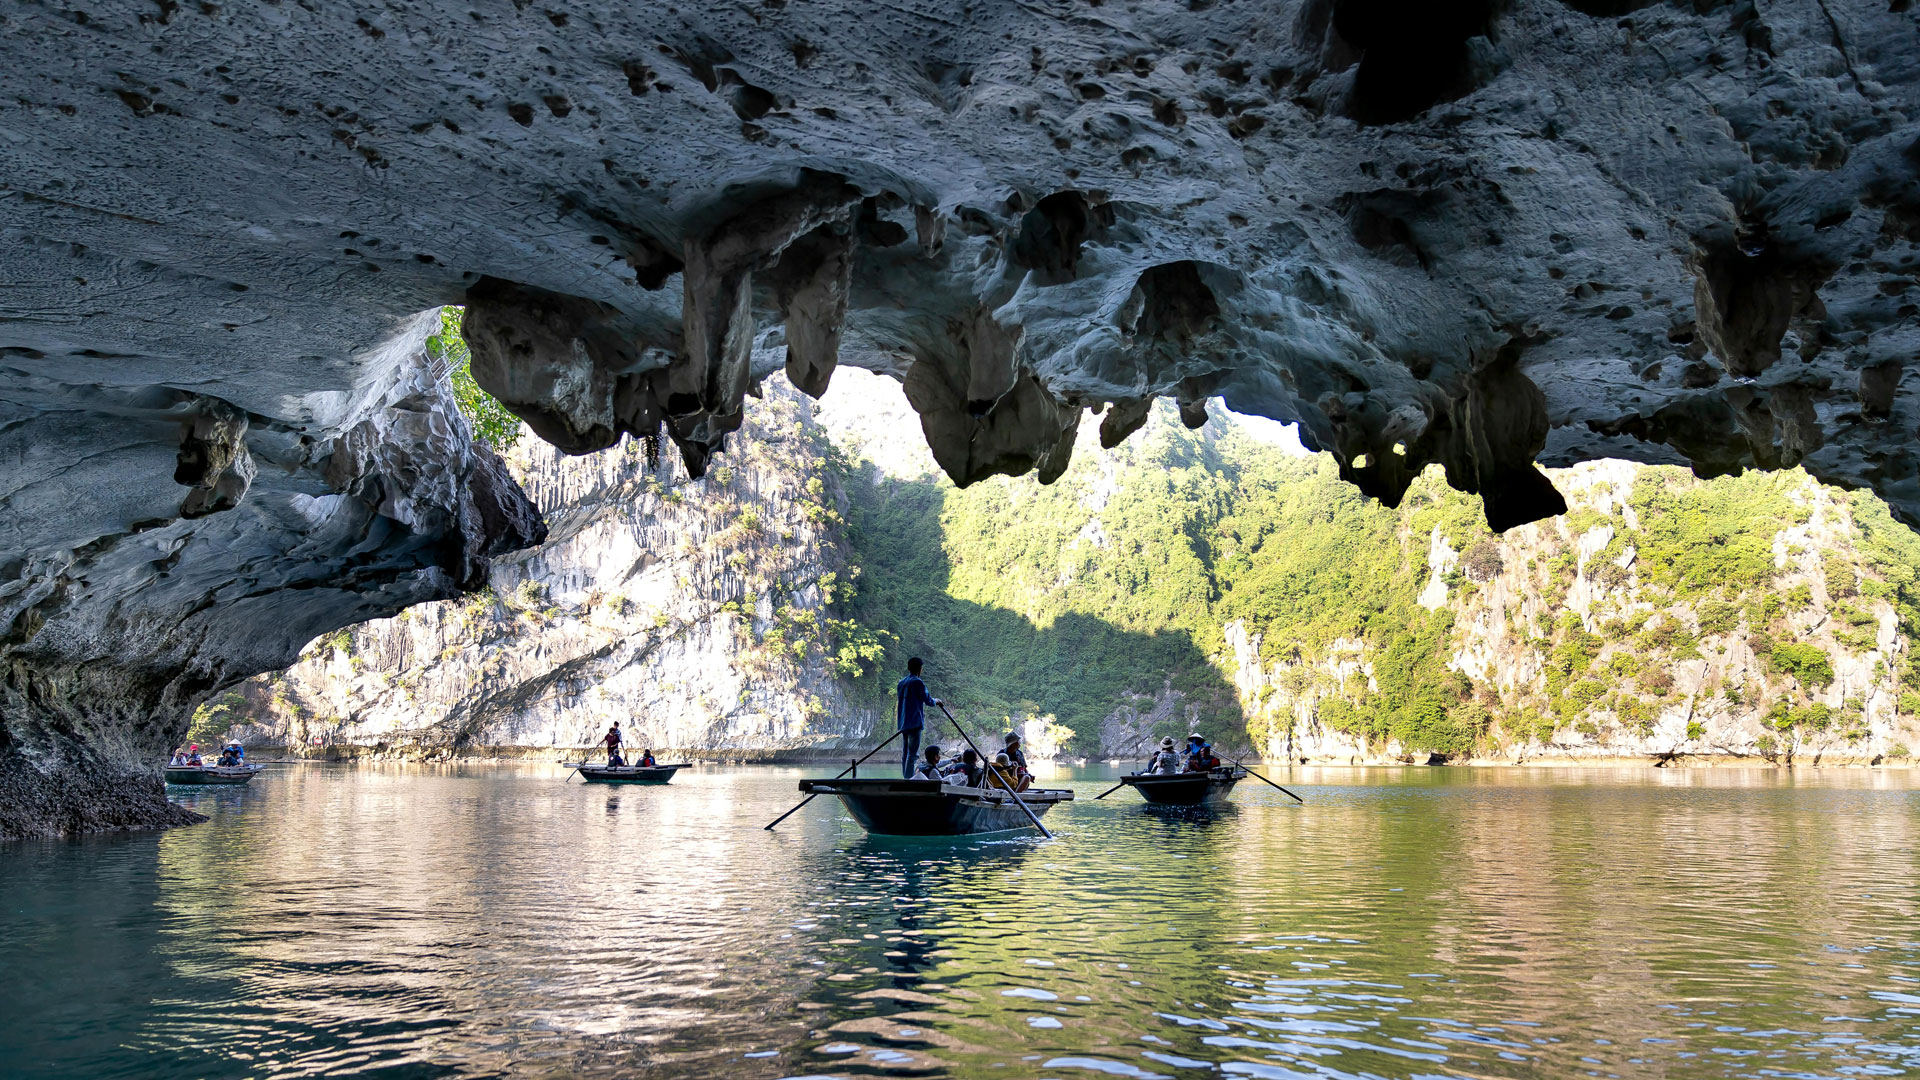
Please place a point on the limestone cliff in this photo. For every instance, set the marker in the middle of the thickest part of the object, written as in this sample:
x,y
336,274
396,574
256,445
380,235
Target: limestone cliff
x,y
700,614
1575,648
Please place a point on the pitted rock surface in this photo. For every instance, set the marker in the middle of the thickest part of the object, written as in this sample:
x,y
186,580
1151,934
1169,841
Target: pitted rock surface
x,y
121,605
1486,234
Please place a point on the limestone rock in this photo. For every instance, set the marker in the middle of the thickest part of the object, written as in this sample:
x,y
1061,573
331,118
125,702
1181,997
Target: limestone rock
x,y
694,612
119,612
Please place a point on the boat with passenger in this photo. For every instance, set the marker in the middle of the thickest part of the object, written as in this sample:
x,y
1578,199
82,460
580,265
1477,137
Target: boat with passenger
x,y
892,807
229,768
1186,788
624,774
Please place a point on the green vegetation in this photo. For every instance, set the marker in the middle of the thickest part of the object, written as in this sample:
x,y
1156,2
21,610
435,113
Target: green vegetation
x,y
1806,663
215,717
491,422
1697,537
1129,577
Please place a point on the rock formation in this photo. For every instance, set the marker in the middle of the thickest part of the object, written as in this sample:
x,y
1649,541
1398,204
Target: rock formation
x,y
1482,234
126,598
698,614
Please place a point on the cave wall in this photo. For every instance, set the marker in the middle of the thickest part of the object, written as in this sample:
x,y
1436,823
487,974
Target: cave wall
x,y
161,545
1486,234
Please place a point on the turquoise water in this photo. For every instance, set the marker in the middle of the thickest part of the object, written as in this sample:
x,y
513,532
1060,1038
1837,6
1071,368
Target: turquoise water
x,y
416,921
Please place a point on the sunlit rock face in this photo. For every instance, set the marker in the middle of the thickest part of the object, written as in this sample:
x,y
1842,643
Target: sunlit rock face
x,y
1484,233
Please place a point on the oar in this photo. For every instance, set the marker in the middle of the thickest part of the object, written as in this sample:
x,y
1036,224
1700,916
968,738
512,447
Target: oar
x,y
843,772
1017,800
1123,783
1270,783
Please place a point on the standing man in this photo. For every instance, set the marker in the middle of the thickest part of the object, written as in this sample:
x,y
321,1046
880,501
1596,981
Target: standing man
x,y
613,742
910,715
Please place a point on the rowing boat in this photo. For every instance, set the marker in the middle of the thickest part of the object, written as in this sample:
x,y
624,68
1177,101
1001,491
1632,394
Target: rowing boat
x,y
889,807
624,774
1186,788
211,774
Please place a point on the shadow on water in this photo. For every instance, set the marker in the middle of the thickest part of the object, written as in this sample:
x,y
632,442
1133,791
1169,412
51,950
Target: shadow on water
x,y
1193,816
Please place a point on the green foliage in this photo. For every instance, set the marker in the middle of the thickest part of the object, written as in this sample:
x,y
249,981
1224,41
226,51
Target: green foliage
x,y
1696,730
1892,553
1807,663
1697,537
1718,617
855,650
491,422
213,718
1855,627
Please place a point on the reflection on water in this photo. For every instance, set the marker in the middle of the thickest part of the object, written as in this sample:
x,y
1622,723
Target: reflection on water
x,y
409,921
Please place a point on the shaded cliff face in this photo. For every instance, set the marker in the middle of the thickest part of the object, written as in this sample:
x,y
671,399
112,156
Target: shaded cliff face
x,y
700,614
213,543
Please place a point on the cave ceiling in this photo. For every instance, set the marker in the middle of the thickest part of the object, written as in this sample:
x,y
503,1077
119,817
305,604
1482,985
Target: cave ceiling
x,y
1482,234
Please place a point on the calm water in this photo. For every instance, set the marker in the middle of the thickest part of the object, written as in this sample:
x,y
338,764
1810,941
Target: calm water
x,y
492,921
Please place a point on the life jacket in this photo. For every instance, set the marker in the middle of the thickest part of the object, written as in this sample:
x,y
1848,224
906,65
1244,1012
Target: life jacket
x,y
647,762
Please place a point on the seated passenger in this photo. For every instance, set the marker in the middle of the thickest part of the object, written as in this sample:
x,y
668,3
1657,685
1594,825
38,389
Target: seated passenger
x,y
964,769
930,767
1199,754
1165,760
1005,774
646,758
193,754
614,760
1015,755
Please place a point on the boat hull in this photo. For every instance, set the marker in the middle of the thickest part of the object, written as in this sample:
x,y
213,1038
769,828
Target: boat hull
x,y
1185,789
203,775
626,774
934,808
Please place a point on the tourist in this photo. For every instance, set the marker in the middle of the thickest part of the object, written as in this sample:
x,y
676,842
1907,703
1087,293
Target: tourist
x,y
193,754
1004,774
1200,754
613,742
910,715
930,768
1165,760
1013,752
179,756
964,769
646,758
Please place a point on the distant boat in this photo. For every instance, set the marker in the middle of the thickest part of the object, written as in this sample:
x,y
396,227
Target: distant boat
x,y
211,774
889,807
624,774
1186,788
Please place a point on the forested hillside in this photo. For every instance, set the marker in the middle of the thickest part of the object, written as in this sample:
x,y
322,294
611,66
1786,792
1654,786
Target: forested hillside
x,y
1200,578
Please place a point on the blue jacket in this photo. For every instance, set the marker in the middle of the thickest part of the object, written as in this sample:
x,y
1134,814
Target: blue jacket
x,y
910,715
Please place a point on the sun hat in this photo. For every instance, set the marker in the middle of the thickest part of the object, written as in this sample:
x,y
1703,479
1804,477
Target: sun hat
x,y
1166,743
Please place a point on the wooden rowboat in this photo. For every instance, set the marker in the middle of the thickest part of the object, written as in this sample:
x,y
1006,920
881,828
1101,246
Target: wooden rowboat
x,y
624,774
934,807
1187,788
211,774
